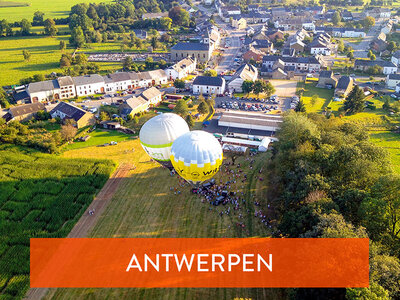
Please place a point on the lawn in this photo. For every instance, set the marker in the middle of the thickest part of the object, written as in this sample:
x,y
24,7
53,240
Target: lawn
x,y
322,101
52,9
41,195
391,142
99,137
145,206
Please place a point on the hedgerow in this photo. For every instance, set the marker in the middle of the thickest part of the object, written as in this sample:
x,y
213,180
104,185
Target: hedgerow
x,y
40,196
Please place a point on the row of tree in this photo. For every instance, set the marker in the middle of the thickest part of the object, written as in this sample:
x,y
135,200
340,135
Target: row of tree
x,y
257,87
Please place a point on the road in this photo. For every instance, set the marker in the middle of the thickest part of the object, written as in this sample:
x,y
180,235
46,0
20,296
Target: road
x,y
361,49
227,61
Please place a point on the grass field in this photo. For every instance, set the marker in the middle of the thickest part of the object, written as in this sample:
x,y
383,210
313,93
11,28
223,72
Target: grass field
x,y
99,137
40,196
52,9
145,207
391,142
45,57
324,96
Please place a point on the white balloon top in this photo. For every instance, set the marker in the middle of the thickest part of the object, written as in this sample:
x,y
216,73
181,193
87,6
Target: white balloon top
x,y
163,129
196,147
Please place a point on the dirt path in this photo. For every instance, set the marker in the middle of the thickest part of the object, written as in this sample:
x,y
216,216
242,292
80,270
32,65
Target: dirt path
x,y
87,222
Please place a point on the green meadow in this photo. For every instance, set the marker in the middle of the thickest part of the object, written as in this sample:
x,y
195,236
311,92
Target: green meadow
x,y
17,10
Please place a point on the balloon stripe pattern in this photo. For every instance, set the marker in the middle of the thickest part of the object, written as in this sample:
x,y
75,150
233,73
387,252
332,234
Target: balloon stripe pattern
x,y
196,156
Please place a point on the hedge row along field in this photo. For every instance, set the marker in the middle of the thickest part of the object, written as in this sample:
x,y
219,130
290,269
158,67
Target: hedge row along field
x,y
40,196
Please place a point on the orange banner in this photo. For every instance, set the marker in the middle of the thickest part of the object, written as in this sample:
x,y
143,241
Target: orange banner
x,y
199,262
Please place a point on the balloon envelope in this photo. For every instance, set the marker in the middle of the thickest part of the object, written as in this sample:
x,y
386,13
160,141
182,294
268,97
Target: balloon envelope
x,y
196,156
158,134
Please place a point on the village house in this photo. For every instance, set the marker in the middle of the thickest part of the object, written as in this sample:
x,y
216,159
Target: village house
x,y
208,85
278,70
182,68
327,80
301,64
23,112
239,22
89,85
392,80
289,24
253,54
140,34
117,82
67,87
141,103
298,46
396,58
387,66
244,72
44,90
158,77
67,111
344,86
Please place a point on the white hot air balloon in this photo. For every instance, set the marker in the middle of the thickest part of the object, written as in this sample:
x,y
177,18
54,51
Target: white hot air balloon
x,y
158,134
196,156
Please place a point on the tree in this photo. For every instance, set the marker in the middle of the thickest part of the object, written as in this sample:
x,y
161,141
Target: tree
x,y
38,18
269,89
354,102
166,23
26,54
25,27
65,61
179,16
77,38
154,42
247,86
314,99
80,59
259,86
189,121
68,132
373,57
181,108
340,46
3,99
50,27
63,45
202,108
336,18
391,46
370,53
127,63
368,22
381,211
210,73
179,83
300,107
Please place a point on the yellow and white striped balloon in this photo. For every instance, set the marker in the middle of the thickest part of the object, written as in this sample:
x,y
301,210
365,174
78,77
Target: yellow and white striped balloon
x,y
196,156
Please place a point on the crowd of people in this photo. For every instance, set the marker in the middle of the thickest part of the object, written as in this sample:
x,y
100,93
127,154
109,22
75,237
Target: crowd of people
x,y
226,195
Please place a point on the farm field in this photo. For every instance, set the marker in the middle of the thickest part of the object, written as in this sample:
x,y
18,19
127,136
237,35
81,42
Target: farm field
x,y
40,196
145,206
52,9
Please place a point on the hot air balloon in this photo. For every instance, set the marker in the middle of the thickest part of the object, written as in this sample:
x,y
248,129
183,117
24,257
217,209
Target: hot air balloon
x,y
158,134
196,156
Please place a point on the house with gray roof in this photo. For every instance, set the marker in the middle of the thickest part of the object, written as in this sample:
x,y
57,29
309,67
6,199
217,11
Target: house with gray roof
x,y
117,82
209,85
80,117
182,68
89,85
244,72
201,51
44,91
67,87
